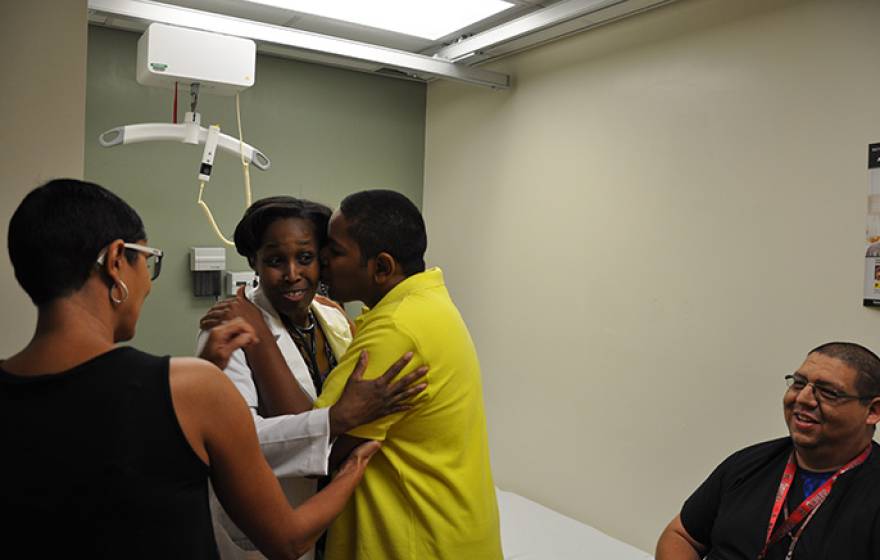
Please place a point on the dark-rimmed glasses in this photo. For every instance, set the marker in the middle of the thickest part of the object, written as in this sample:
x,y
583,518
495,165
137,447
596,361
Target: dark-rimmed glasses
x,y
153,257
822,393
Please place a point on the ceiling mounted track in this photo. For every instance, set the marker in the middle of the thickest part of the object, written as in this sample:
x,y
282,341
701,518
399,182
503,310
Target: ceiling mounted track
x,y
410,63
555,20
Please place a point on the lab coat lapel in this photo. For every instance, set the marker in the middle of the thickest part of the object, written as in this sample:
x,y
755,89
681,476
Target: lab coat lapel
x,y
334,323
285,343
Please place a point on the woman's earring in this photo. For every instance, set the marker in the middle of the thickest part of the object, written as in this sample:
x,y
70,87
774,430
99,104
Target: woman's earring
x,y
323,289
123,290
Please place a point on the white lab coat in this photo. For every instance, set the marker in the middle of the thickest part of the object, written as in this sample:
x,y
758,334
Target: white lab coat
x,y
294,445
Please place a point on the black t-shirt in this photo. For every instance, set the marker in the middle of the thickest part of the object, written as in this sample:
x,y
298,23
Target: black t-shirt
x,y
95,464
730,511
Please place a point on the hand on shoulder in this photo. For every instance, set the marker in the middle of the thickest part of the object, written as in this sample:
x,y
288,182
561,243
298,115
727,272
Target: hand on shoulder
x,y
226,338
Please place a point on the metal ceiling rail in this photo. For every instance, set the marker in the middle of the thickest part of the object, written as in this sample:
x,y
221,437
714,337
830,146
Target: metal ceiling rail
x,y
554,14
404,61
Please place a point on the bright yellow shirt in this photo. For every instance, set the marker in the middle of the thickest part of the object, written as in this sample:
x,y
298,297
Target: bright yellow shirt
x,y
428,493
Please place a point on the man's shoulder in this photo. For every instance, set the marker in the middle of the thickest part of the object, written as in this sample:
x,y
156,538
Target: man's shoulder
x,y
860,489
412,311
873,461
431,301
425,313
771,446
759,453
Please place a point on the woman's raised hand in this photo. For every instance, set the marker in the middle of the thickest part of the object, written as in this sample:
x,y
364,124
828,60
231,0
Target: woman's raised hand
x,y
238,306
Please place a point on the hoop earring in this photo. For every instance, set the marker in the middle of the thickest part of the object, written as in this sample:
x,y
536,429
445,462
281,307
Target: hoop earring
x,y
323,289
123,289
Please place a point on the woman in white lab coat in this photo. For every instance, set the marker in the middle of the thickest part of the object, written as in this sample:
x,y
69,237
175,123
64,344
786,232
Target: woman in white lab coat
x,y
302,335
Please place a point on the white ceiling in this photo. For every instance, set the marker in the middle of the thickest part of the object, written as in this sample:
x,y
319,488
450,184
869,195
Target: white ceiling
x,y
529,23
336,28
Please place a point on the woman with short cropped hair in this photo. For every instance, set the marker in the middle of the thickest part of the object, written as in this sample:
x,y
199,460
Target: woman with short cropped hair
x,y
107,450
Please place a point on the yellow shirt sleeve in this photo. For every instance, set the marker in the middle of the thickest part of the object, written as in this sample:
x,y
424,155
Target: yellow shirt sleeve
x,y
385,344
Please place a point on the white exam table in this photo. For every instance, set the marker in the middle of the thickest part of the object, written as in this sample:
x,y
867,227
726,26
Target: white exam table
x,y
530,531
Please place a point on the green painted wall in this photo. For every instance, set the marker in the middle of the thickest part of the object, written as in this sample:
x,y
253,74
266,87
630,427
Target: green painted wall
x,y
328,132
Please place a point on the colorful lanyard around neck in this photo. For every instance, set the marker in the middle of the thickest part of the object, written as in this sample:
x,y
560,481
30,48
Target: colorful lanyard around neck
x,y
808,507
306,340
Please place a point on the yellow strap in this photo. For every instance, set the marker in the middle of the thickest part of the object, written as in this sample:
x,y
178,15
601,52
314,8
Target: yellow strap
x,y
211,216
244,165
247,180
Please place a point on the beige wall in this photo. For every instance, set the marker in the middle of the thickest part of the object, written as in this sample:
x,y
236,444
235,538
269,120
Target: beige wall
x,y
647,232
42,108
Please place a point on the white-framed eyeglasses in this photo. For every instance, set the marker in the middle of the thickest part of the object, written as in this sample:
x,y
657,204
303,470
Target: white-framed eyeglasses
x,y
153,256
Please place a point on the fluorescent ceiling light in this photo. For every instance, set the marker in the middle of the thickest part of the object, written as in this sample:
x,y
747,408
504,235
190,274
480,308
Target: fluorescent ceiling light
x,y
430,19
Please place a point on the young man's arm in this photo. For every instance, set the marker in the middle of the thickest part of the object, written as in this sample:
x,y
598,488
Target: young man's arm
x,y
299,444
265,372
384,344
345,443
364,401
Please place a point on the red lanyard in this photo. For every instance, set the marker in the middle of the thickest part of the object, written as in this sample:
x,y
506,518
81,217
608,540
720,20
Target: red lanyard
x,y
807,508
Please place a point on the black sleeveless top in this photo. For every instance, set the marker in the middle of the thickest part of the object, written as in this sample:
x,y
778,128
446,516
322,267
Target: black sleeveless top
x,y
93,463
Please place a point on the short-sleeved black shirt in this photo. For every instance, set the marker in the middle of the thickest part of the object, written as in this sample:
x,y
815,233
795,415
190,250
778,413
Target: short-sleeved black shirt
x,y
730,511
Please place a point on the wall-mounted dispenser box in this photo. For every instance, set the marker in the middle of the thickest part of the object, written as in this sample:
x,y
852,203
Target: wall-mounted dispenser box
x,y
207,265
235,280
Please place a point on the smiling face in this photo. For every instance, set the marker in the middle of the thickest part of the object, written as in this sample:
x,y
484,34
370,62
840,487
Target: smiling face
x,y
287,264
821,427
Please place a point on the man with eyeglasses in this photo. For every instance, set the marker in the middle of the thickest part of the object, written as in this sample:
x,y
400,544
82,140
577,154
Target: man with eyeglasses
x,y
814,494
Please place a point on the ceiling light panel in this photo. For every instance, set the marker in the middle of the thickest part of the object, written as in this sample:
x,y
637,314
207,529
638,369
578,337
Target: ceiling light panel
x,y
430,19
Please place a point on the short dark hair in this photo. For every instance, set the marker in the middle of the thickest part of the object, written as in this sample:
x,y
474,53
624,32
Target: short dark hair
x,y
386,221
261,214
865,363
58,230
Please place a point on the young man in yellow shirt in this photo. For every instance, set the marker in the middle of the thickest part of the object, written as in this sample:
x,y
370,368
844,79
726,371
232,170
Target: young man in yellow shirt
x,y
428,493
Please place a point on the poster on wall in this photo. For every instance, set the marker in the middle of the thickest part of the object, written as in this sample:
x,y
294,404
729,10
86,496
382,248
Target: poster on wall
x,y
872,230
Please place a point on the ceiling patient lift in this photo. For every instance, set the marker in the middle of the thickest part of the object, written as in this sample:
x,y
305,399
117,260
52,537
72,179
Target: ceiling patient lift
x,y
207,62
188,132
